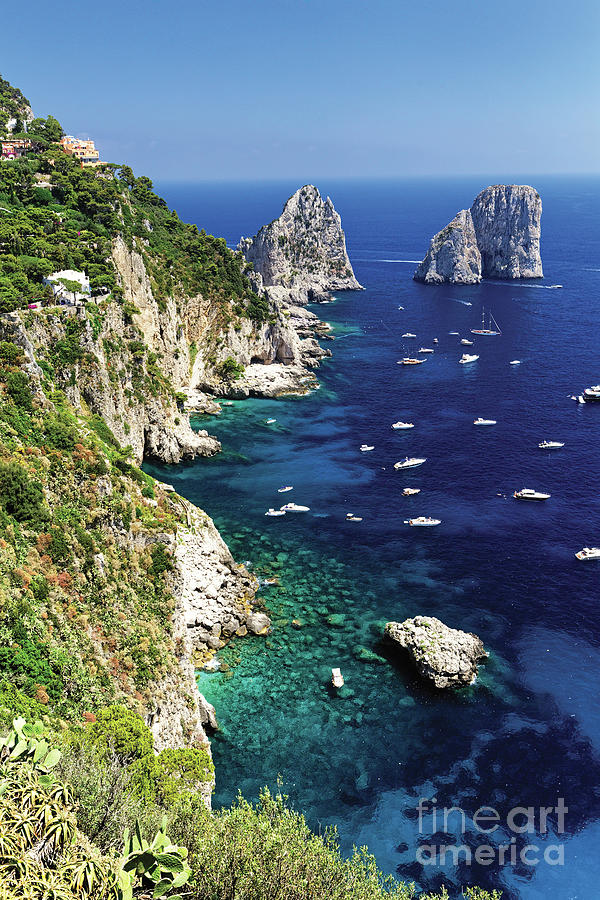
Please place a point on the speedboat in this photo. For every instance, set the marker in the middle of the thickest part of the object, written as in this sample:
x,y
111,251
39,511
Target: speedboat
x,y
453,332
426,350
400,307
423,521
285,488
408,335
467,342
275,512
410,361
515,362
403,425
529,494
227,403
589,553
350,517
468,358
435,341
480,421
293,507
551,445
270,421
364,447
411,463
409,492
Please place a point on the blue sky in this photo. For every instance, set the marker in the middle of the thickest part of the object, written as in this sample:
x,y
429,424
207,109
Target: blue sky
x,y
236,89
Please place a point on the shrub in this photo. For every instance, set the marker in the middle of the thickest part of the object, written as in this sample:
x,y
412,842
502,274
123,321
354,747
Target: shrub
x,y
17,388
21,497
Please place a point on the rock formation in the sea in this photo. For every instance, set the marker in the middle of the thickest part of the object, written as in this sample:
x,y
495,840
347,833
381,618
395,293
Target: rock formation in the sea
x,y
301,256
445,656
498,237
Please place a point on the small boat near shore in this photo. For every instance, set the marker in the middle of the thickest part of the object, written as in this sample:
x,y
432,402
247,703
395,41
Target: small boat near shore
x,y
270,421
589,553
403,425
275,512
364,448
285,488
480,421
337,679
467,358
294,507
410,361
530,494
423,522
551,445
410,492
410,462
409,335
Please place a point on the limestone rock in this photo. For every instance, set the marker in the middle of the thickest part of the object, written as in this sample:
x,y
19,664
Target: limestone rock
x,y
445,656
258,623
453,255
303,252
498,237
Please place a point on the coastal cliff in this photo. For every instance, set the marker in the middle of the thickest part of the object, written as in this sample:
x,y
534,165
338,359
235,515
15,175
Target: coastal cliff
x,y
301,256
498,237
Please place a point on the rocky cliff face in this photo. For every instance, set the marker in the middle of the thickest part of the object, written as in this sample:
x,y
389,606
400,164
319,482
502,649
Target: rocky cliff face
x,y
301,256
498,237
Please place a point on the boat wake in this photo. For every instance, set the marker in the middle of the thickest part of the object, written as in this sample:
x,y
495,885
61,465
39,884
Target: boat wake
x,y
464,302
537,287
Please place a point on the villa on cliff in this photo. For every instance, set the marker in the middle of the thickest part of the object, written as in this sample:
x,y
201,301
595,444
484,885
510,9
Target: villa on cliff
x,y
84,151
16,148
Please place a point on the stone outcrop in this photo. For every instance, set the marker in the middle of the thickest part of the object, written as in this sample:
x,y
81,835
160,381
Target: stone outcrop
x,y
498,237
301,256
445,656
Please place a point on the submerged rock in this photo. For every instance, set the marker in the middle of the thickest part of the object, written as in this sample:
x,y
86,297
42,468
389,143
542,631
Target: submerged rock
x,y
498,237
301,256
446,656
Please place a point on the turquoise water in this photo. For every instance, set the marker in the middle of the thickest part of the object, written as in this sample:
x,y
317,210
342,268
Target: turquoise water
x,y
528,731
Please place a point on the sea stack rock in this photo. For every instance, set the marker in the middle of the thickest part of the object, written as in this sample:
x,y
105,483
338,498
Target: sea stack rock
x,y
498,237
301,256
445,656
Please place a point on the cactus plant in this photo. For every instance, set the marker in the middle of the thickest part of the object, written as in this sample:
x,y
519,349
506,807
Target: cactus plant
x,y
160,866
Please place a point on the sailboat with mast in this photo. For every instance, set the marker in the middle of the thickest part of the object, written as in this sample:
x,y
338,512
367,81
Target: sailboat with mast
x,y
487,327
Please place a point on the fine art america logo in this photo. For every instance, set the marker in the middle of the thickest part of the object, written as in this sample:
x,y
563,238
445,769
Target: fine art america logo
x,y
494,838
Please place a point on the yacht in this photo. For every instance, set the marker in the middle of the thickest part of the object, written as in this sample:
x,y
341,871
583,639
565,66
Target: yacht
x,y
480,421
551,445
468,358
589,553
467,342
409,492
487,328
592,394
515,362
410,361
423,521
403,425
365,447
285,488
408,335
411,463
293,507
275,512
426,350
350,517
529,494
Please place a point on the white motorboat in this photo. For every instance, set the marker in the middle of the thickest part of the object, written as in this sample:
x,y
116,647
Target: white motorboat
x,y
426,350
400,307
515,362
409,492
350,517
480,421
423,521
337,679
293,507
270,421
403,425
227,403
589,553
365,447
285,488
467,358
467,342
530,494
275,512
551,445
453,332
592,394
435,341
408,335
488,328
410,463
410,361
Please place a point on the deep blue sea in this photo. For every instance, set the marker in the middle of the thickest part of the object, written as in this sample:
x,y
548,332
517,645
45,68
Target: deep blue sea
x,y
528,731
